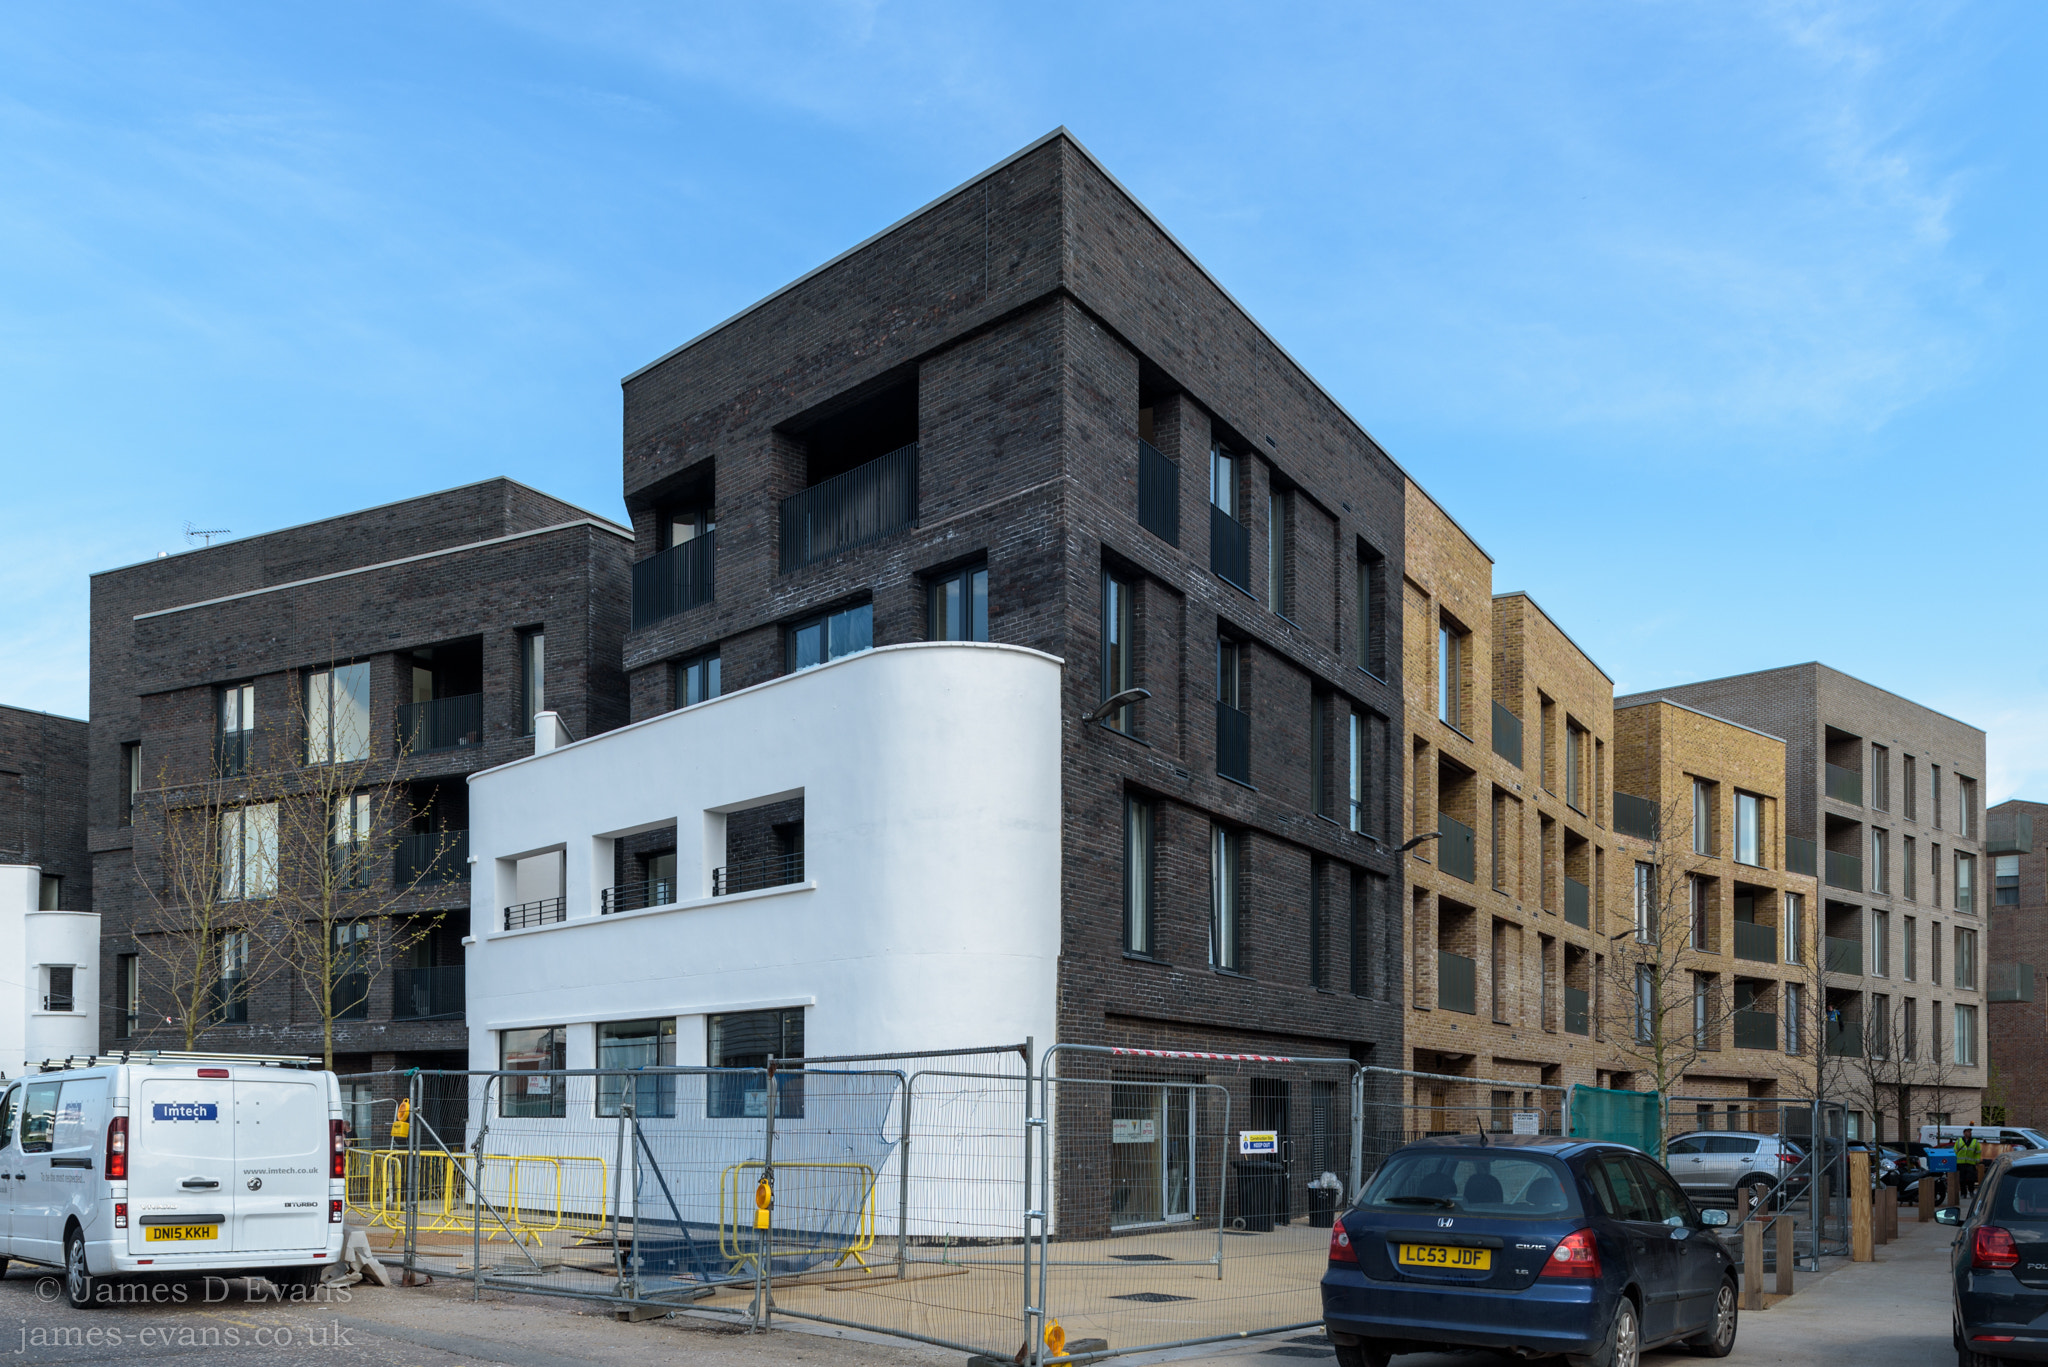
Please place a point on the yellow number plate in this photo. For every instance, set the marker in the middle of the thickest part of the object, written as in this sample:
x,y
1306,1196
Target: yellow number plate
x,y
1437,1255
157,1234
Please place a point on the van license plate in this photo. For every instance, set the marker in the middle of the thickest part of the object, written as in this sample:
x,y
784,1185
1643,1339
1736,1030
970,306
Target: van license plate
x,y
157,1234
1437,1255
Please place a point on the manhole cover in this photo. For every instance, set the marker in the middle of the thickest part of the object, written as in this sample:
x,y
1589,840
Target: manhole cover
x,y
1150,1297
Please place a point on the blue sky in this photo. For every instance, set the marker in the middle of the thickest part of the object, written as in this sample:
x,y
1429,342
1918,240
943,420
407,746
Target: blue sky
x,y
1719,325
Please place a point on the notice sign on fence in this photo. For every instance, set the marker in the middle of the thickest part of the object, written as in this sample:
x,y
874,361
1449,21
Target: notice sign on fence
x,y
1133,1131
1528,1122
1258,1141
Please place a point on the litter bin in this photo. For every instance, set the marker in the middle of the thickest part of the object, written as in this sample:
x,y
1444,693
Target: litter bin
x,y
1322,1207
1261,1192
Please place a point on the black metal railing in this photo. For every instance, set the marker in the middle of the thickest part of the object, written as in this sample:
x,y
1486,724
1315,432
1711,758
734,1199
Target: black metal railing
x,y
1578,903
1230,548
431,857
654,892
1636,816
542,912
1801,855
228,999
351,997
443,724
1845,785
751,874
865,504
1845,1041
1844,871
1507,735
1457,983
1758,944
351,863
1158,494
1233,743
233,752
1457,851
1756,1030
419,994
1842,956
678,579
1578,1011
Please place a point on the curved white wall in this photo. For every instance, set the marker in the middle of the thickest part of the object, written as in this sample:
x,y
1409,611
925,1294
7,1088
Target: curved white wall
x,y
30,941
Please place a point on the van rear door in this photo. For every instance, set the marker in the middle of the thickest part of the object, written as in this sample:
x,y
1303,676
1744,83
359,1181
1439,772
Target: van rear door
x,y
181,1163
282,1151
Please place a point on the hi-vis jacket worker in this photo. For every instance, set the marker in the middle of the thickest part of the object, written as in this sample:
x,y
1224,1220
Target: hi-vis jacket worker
x,y
1969,1153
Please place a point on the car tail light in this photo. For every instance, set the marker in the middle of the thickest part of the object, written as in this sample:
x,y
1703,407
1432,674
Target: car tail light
x,y
120,1215
1791,1158
1341,1250
334,1212
213,1072
1993,1248
1991,1338
338,1129
117,1149
1576,1255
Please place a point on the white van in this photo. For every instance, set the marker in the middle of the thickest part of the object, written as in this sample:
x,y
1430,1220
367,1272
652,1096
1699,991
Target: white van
x,y
169,1164
2012,1136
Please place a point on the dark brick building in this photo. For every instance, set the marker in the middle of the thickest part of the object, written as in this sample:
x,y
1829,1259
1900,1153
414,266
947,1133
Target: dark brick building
x,y
42,803
2014,996
445,622
1026,414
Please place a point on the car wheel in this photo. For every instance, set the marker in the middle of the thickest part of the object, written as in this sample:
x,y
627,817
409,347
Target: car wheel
x,y
1360,1355
1759,1188
1719,1339
1624,1346
77,1280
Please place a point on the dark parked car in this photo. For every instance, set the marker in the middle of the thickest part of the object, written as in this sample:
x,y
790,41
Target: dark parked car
x,y
1530,1244
2000,1266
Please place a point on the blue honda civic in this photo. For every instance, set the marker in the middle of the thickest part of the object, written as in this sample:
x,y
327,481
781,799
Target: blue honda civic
x,y
1527,1244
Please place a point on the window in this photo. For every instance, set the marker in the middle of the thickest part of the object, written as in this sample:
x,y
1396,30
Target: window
x,y
637,1044
1966,882
39,1116
1909,1031
1450,673
2005,874
352,840
1877,1034
1795,1014
957,606
1546,711
1646,902
1880,778
1233,727
1966,1036
350,993
1119,655
1702,991
680,526
1223,480
50,892
57,984
1934,789
1230,672
1369,578
1226,892
1966,958
1279,512
745,1040
1357,800
1749,829
1909,871
131,784
1138,867
1702,818
248,853
1909,777
1966,806
338,714
230,996
1934,874
1911,937
1698,892
1934,933
533,677
127,994
1574,766
1646,1003
697,679
1795,928
528,1056
1880,861
1881,943
236,715
846,632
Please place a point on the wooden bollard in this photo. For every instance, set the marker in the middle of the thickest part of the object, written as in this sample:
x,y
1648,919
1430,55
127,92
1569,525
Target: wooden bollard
x,y
1887,1213
1786,1257
1741,1205
1859,1208
1926,1197
1753,1266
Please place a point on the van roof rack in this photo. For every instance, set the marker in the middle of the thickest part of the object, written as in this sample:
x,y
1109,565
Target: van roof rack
x,y
51,1065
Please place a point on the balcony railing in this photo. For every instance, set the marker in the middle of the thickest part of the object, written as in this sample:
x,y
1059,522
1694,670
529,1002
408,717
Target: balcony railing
x,y
228,999
1507,735
1843,956
1636,816
1457,850
1233,743
1578,903
2010,983
1230,548
1800,855
1845,785
1844,871
1578,1011
1756,1030
772,872
1158,494
542,912
655,892
1457,983
678,579
1845,1041
431,857
233,752
1758,944
419,994
865,504
443,724
351,996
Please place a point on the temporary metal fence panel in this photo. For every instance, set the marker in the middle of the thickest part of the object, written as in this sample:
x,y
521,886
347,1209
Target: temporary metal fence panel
x,y
1718,1161
1401,1106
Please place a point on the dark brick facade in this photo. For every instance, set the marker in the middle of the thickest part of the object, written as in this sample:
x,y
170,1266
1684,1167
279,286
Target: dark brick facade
x,y
42,800
1038,310
2018,1006
458,576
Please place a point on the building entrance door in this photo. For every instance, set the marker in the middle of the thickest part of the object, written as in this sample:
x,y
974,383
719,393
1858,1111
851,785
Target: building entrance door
x,y
1152,1148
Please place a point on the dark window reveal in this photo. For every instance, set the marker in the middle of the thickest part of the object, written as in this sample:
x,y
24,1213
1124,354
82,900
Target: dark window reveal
x,y
745,1040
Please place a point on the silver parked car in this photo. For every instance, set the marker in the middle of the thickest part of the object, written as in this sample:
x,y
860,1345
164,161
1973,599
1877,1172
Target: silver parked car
x,y
1721,1162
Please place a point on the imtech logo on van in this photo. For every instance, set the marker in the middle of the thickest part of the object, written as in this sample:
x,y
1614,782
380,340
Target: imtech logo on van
x,y
186,1110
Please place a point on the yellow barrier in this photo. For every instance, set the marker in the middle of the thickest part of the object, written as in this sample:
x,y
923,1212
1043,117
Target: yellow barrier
x,y
736,1211
376,1192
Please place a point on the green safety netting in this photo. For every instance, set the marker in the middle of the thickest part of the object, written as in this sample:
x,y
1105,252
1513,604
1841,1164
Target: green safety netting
x,y
1617,1117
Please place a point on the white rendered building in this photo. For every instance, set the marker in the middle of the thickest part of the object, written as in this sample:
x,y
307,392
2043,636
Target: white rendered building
x,y
49,975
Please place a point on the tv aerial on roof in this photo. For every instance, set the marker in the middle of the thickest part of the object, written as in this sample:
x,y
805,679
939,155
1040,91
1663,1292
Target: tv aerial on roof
x,y
194,533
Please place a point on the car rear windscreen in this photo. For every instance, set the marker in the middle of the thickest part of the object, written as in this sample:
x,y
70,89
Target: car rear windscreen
x,y
1473,1181
2022,1195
